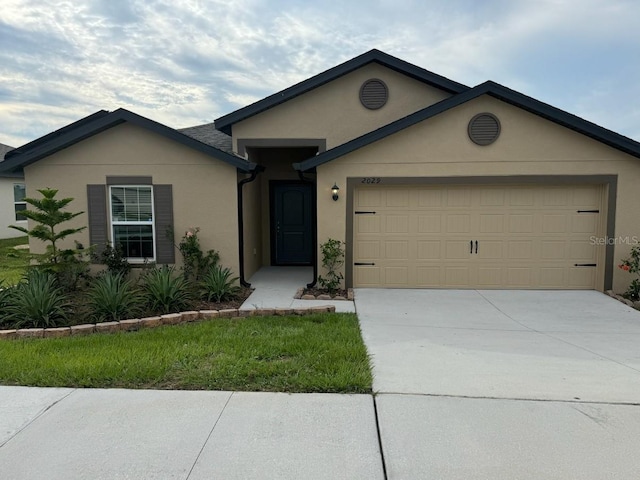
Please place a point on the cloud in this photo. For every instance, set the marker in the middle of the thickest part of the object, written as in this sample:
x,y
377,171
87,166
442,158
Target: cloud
x,y
185,62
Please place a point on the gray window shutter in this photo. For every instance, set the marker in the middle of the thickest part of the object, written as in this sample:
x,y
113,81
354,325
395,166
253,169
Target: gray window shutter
x,y
163,205
98,216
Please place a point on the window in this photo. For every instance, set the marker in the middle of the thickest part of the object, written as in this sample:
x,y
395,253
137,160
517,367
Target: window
x,y
132,221
19,194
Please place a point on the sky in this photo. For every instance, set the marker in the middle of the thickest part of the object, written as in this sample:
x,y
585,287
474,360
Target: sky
x,y
188,62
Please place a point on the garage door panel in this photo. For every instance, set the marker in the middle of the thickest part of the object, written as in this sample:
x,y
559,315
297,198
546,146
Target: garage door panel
x,y
457,276
492,223
528,236
490,277
367,276
396,224
554,223
521,223
397,276
585,223
430,223
520,250
396,250
581,277
458,223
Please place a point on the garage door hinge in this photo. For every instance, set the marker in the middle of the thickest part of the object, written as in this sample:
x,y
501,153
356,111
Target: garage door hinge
x,y
364,213
585,264
359,263
588,211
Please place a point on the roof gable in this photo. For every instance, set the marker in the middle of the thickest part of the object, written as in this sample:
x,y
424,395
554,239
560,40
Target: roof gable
x,y
98,122
225,122
495,90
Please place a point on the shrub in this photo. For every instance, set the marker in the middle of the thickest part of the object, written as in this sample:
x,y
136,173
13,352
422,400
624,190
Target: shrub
x,y
332,259
37,301
218,285
166,291
196,263
113,298
632,265
6,300
114,259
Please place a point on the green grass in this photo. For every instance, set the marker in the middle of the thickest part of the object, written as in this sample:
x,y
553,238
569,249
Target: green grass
x,y
13,263
314,353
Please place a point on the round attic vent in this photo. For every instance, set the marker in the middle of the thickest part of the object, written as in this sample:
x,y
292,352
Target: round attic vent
x,y
374,94
484,129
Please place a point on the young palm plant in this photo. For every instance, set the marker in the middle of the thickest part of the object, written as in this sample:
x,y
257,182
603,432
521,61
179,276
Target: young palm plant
x,y
218,285
37,301
112,297
166,291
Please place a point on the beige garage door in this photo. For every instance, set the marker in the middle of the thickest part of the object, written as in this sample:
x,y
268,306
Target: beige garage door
x,y
478,236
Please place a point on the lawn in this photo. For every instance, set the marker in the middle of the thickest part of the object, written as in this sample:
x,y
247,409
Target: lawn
x,y
314,353
13,263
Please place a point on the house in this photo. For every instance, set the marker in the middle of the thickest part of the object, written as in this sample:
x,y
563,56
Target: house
x,y
12,194
430,183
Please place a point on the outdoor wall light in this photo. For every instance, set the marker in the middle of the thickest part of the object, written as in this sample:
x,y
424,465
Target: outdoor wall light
x,y
334,192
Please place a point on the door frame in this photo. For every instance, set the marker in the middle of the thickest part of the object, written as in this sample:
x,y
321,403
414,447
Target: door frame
x,y
273,184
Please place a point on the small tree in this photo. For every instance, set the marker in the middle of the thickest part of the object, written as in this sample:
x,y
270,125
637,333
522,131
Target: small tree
x,y
332,259
48,214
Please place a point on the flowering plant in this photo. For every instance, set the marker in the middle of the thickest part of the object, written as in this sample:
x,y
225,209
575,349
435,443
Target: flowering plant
x,y
632,265
196,263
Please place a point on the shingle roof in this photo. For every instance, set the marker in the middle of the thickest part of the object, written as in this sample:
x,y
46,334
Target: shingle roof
x,y
4,149
492,89
208,134
99,122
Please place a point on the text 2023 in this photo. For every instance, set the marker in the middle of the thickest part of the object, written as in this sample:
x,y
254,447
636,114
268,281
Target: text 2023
x,y
371,180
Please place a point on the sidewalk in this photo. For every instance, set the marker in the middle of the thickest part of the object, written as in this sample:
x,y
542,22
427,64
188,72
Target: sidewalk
x,y
144,434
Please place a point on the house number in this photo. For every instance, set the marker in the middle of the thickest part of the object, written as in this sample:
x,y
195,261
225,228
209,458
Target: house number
x,y
370,180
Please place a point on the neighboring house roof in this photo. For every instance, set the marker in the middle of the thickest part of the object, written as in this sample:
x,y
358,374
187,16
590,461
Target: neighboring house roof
x,y
208,134
4,149
225,122
99,122
492,89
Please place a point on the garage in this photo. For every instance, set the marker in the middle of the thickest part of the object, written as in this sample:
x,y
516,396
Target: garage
x,y
479,236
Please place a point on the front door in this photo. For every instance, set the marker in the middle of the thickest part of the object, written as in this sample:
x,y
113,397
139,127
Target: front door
x,y
291,223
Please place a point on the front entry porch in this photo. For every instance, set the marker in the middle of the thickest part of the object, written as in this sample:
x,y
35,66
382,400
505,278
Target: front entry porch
x,y
276,286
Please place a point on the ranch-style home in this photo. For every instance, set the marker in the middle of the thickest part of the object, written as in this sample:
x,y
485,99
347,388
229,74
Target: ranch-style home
x,y
430,183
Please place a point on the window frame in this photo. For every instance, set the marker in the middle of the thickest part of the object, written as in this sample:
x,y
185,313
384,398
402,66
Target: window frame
x,y
21,202
114,223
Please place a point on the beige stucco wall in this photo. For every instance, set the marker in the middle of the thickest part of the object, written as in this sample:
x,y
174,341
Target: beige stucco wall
x,y
528,145
204,189
334,112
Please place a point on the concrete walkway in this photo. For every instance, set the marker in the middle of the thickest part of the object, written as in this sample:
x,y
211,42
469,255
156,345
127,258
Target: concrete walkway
x,y
276,286
143,434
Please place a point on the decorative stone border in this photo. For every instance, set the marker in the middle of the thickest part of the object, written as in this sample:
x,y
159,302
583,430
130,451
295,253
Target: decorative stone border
x,y
626,301
152,322
299,296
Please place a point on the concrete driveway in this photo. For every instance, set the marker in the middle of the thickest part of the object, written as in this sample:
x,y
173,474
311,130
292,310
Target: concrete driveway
x,y
504,384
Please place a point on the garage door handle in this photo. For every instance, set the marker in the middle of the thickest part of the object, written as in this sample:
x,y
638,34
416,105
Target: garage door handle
x,y
471,247
476,247
360,263
585,264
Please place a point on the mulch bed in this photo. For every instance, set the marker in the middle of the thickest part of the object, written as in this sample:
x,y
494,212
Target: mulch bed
x,y
321,291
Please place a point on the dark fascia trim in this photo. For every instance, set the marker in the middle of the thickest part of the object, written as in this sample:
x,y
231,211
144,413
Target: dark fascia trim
x,y
495,90
244,143
225,122
99,122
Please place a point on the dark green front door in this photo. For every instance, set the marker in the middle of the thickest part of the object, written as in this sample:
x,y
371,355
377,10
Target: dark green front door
x,y
291,223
